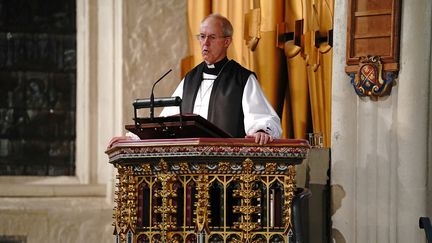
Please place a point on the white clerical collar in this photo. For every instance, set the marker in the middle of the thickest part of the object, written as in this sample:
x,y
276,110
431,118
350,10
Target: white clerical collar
x,y
210,65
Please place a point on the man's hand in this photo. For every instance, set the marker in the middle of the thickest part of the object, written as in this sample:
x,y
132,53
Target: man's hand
x,y
128,136
261,137
116,139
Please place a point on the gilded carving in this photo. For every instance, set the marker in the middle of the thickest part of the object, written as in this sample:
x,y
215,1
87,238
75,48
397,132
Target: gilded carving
x,y
167,209
163,165
247,193
223,166
202,211
271,167
178,204
146,168
126,195
289,186
247,165
184,166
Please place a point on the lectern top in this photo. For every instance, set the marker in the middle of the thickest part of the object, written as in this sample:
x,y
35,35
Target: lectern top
x,y
179,126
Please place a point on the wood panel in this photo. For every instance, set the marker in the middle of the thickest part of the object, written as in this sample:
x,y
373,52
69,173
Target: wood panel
x,y
373,29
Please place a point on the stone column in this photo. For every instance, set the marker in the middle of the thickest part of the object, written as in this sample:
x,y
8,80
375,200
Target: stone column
x,y
379,148
344,134
412,119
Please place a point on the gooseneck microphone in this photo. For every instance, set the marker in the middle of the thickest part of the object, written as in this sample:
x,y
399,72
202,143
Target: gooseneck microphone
x,y
152,94
153,102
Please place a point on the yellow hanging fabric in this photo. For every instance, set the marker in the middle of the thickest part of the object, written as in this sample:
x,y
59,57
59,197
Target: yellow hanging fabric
x,y
197,10
267,57
235,11
298,83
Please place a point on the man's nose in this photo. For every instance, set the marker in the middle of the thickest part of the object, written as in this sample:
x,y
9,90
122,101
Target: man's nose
x,y
206,39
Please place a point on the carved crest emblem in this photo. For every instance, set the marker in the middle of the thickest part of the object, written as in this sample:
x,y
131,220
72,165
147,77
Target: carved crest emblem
x,y
368,81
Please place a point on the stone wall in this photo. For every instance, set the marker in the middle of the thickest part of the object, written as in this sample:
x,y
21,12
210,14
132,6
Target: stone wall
x,y
122,48
155,40
53,220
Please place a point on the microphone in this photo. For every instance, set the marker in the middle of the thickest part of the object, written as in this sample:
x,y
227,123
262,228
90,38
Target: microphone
x,y
152,95
157,102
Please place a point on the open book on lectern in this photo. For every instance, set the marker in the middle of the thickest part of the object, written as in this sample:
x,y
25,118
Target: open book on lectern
x,y
177,126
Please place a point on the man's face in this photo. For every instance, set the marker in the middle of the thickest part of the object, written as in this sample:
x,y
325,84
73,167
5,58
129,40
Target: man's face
x,y
213,43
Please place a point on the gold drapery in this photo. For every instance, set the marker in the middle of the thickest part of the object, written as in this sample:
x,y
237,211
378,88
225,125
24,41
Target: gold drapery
x,y
286,43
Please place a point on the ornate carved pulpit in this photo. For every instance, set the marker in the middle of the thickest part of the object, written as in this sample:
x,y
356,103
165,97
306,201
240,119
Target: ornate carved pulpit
x,y
204,189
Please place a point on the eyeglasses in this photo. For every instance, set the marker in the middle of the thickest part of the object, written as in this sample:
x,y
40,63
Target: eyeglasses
x,y
202,37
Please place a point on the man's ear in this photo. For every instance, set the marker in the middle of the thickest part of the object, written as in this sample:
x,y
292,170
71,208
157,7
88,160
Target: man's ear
x,y
228,41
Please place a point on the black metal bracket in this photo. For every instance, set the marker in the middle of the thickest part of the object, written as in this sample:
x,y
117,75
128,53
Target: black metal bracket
x,y
156,102
425,223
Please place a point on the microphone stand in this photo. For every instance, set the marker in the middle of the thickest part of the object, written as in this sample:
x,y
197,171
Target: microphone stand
x,y
152,95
